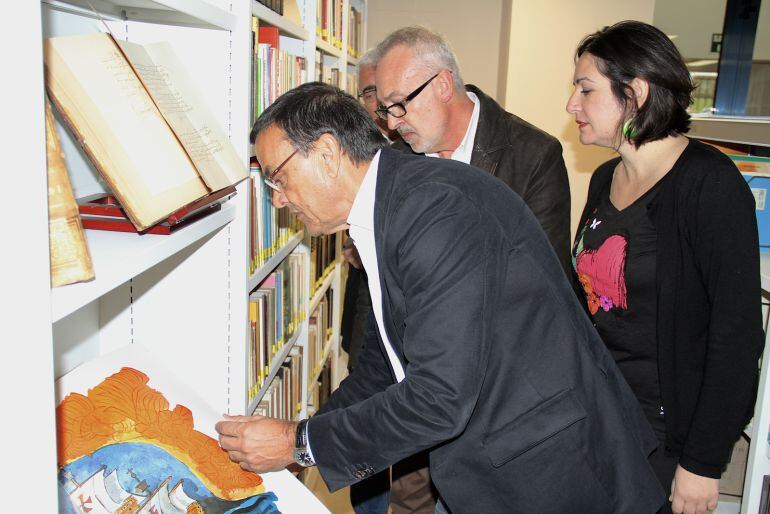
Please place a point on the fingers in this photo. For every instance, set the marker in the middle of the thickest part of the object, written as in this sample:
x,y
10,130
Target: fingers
x,y
681,506
235,425
229,428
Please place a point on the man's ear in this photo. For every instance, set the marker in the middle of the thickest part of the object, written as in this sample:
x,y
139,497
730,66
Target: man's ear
x,y
641,89
329,153
446,85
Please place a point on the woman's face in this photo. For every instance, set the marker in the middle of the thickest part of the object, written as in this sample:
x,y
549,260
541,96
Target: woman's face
x,y
597,112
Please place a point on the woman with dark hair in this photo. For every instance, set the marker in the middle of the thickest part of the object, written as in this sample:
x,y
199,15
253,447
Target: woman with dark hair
x,y
667,256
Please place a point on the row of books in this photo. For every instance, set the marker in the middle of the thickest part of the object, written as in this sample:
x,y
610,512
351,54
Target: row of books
x,y
273,5
329,21
352,83
324,72
318,334
283,399
274,70
269,228
320,390
322,257
276,309
355,32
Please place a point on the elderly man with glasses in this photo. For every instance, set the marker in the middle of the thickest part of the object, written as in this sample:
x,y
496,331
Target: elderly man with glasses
x,y
423,98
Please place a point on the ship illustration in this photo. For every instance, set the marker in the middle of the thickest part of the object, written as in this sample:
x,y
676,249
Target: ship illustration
x,y
103,494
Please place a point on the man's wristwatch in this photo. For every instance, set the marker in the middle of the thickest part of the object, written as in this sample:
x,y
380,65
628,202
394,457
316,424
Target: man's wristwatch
x,y
301,449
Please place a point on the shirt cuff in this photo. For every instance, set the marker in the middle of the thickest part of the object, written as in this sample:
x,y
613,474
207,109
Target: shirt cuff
x,y
307,438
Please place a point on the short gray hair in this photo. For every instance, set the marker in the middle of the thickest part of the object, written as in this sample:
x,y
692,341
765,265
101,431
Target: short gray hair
x,y
430,47
370,58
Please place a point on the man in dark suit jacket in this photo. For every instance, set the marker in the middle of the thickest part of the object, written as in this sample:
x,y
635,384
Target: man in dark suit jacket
x,y
485,356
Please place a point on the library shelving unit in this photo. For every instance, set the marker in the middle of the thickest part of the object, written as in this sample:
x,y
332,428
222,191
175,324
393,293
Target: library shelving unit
x,y
183,297
751,132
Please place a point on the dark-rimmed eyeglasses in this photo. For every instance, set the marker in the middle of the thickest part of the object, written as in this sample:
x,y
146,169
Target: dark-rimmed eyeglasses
x,y
368,94
270,180
398,109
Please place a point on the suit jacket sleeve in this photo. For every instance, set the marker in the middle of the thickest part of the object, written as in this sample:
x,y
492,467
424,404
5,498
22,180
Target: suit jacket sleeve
x,y
441,267
371,374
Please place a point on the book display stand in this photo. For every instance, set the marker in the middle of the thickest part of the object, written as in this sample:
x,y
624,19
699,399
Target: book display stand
x,y
103,212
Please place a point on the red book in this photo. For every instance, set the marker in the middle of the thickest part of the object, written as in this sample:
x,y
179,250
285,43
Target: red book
x,y
103,212
269,36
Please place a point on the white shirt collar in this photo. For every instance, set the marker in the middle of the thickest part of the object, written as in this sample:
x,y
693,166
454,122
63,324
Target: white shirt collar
x,y
464,150
362,212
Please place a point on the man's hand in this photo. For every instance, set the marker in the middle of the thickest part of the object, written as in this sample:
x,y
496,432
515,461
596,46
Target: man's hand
x,y
257,443
693,494
350,252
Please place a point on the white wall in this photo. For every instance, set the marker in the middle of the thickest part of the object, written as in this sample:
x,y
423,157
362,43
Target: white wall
x,y
692,22
474,33
543,39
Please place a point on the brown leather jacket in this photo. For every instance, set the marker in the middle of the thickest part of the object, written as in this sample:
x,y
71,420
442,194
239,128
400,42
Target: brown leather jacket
x,y
530,161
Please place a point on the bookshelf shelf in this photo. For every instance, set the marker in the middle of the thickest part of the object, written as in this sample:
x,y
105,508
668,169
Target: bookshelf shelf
x,y
327,48
275,365
259,275
119,256
189,13
353,61
319,293
286,26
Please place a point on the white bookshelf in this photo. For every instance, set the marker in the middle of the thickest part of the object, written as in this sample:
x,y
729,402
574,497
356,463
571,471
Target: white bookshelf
x,y
275,365
184,297
263,271
117,257
192,13
327,48
286,26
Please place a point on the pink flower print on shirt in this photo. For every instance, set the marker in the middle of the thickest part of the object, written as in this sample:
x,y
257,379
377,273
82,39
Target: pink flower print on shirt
x,y
602,274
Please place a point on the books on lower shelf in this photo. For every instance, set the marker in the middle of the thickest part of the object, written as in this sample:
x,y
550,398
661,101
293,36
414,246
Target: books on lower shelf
x,y
319,332
276,309
325,72
322,257
320,390
283,398
141,121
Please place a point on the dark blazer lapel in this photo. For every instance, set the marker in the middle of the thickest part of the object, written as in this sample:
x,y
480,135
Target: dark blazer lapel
x,y
383,195
489,140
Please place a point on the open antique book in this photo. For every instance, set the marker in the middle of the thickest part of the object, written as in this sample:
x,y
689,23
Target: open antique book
x,y
139,118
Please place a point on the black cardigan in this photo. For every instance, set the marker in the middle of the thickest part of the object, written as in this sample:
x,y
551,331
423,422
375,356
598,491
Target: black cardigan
x,y
709,321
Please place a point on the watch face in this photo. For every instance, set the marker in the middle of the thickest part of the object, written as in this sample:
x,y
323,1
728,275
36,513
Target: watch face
x,y
302,458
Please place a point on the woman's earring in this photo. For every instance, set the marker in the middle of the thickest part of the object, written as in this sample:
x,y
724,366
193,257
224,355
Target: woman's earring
x,y
629,131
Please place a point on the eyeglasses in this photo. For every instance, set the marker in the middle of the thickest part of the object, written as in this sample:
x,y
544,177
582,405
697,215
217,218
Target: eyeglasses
x,y
368,94
270,181
398,109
